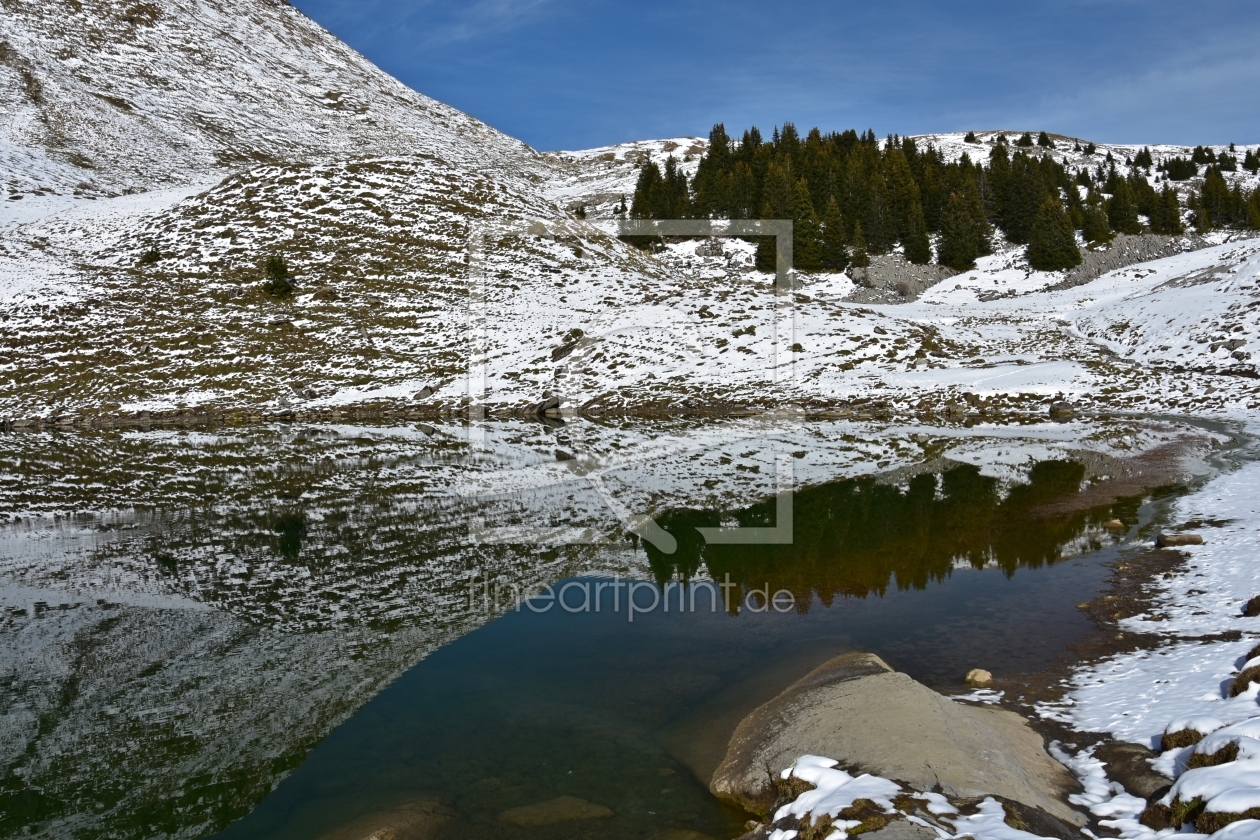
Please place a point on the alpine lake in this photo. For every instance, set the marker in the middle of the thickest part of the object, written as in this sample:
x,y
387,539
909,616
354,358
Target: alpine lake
x,y
279,631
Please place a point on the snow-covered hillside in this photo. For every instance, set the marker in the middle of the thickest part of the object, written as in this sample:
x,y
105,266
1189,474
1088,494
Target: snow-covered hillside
x,y
103,96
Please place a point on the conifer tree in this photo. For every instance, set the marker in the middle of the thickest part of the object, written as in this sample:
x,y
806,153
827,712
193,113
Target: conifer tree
x,y
1091,149
711,184
964,231
806,243
1025,191
1143,158
917,245
970,138
778,202
778,196
932,191
880,220
1025,140
999,179
1202,218
1044,141
1094,226
835,254
860,257
645,188
1253,209
1075,207
1165,213
1121,211
743,193
1216,198
1251,162
1052,243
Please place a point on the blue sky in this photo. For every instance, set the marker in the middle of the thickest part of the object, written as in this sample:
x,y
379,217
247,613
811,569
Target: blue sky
x,y
585,73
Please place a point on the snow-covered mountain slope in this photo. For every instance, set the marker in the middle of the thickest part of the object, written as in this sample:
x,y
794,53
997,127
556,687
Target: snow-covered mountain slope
x,y
106,96
383,312
599,179
374,195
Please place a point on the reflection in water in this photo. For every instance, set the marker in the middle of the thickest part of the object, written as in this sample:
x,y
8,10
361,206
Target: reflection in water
x,y
291,527
209,607
854,537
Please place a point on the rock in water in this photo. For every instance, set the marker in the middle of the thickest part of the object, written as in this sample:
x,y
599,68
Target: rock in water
x,y
979,678
1173,540
858,711
419,819
682,834
560,809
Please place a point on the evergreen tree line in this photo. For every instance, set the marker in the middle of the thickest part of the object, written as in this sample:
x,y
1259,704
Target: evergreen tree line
x,y
849,197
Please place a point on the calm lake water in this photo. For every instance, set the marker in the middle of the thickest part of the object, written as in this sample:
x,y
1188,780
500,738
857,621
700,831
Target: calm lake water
x,y
271,632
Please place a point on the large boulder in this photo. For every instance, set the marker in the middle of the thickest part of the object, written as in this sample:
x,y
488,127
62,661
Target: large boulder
x,y
858,711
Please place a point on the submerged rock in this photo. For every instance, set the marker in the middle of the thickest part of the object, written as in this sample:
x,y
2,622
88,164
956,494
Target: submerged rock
x,y
1173,540
979,678
858,711
682,834
560,809
418,819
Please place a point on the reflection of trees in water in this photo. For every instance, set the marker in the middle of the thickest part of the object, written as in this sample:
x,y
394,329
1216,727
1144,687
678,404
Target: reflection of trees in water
x,y
852,537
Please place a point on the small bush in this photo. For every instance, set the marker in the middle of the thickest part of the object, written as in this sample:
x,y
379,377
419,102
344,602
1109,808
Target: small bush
x,y
1210,822
1246,678
278,283
1184,812
1156,817
150,256
1252,609
1180,738
1224,755
787,790
903,289
871,816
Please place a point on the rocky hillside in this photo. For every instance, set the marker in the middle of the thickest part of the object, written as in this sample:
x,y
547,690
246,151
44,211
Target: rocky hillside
x,y
107,96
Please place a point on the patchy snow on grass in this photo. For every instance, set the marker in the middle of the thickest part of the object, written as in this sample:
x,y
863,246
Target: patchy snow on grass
x,y
1189,682
836,791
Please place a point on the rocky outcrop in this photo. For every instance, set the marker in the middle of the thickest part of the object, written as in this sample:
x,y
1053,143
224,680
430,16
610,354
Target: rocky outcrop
x,y
858,711
891,278
1126,250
